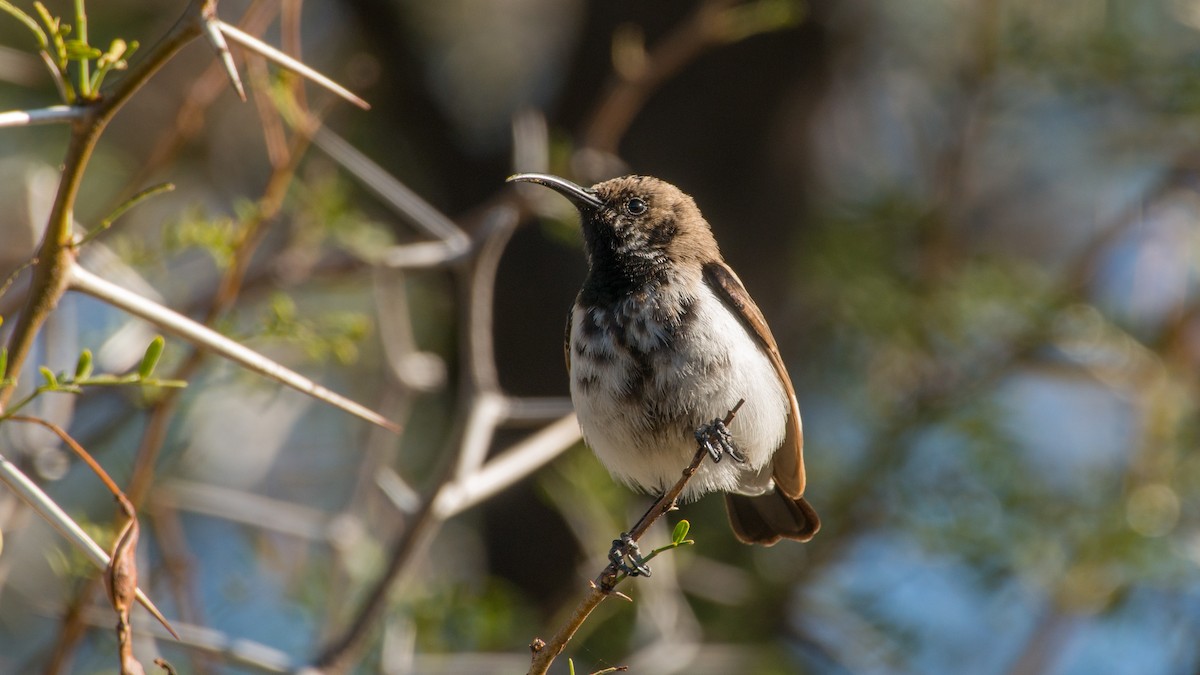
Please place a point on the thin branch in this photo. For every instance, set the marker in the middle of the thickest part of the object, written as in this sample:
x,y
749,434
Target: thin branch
x,y
630,88
604,584
284,61
206,338
531,142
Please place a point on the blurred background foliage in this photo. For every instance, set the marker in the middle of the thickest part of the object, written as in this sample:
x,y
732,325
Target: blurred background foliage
x,y
971,225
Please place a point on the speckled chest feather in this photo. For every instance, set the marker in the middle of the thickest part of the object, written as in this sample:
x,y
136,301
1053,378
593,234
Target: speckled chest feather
x,y
649,368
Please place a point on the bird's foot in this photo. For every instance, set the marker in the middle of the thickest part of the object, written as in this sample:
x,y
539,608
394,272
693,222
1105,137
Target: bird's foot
x,y
626,557
717,440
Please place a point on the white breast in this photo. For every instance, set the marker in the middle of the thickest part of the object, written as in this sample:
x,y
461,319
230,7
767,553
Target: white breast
x,y
647,440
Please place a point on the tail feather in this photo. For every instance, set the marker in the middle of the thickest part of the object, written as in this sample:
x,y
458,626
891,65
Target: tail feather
x,y
767,518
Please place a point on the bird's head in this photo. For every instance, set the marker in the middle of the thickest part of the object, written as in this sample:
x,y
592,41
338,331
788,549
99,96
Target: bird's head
x,y
635,226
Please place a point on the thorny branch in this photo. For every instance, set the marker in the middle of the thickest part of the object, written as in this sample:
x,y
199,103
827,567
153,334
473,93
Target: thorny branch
x,y
56,270
467,477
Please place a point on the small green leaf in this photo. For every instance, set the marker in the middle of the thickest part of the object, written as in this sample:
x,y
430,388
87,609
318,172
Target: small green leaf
x,y
120,210
3,361
51,380
166,384
83,367
150,360
681,532
78,50
116,50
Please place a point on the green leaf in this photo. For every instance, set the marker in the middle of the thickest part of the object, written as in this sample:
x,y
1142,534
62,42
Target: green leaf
x,y
681,532
150,359
51,380
83,367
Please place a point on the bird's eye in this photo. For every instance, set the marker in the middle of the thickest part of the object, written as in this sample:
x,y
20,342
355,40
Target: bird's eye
x,y
635,206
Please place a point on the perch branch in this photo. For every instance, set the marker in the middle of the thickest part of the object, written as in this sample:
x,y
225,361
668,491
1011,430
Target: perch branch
x,y
603,585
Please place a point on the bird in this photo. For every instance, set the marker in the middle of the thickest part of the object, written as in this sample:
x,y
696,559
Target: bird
x,y
661,342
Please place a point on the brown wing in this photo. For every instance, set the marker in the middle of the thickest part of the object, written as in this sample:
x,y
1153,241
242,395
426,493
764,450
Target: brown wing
x,y
788,466
567,338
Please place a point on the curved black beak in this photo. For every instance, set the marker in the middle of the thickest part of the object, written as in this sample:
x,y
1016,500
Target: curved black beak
x,y
579,196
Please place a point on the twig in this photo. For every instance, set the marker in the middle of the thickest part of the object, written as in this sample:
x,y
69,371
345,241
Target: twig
x,y
604,584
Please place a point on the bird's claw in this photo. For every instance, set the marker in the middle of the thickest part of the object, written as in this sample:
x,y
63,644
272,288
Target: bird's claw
x,y
626,557
717,440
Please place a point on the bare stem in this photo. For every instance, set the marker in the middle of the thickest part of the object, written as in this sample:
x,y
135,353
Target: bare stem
x,y
53,514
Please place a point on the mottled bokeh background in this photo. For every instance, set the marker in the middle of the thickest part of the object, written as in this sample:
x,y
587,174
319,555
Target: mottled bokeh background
x,y
973,227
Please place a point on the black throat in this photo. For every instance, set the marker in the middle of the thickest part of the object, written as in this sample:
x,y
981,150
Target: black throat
x,y
620,270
